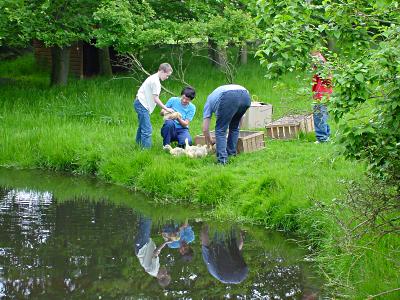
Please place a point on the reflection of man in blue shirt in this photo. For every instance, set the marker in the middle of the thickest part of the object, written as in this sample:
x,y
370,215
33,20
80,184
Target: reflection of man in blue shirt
x,y
223,256
178,129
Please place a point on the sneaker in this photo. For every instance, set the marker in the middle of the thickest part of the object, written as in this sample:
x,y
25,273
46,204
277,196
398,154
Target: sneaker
x,y
317,142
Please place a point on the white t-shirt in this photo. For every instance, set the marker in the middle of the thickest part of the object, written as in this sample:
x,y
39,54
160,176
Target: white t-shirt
x,y
150,263
150,87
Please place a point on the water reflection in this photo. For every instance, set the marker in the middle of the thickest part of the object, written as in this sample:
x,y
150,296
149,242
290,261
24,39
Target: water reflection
x,y
179,237
90,248
148,254
222,255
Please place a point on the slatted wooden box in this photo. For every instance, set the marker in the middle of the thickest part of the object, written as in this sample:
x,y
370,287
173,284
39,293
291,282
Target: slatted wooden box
x,y
248,141
290,126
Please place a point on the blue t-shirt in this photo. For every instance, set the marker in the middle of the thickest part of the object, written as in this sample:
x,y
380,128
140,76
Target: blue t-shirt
x,y
187,111
186,234
214,98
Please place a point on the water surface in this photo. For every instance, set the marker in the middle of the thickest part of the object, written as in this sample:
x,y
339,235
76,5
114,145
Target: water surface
x,y
72,238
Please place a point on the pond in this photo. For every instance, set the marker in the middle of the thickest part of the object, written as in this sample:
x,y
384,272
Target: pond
x,y
64,237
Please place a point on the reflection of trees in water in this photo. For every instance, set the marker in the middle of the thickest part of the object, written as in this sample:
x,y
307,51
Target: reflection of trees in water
x,y
88,252
85,242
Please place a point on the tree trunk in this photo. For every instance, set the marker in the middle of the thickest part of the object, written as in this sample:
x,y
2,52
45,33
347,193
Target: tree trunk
x,y
222,58
59,65
243,54
104,62
212,51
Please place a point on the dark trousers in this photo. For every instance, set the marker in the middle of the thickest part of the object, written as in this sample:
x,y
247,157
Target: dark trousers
x,y
170,134
232,107
143,233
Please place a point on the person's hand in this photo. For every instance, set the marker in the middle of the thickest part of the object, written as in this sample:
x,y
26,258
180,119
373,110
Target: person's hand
x,y
156,253
170,110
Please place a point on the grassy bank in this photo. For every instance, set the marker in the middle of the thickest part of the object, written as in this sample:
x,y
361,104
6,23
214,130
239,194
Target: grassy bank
x,y
89,127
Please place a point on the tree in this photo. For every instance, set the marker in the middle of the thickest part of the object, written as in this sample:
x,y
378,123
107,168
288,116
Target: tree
x,y
58,24
366,71
218,23
118,23
13,16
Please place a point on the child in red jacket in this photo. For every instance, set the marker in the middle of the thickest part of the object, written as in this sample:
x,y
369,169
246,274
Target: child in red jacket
x,y
322,90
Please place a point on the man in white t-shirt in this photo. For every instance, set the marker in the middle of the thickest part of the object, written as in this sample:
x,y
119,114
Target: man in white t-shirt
x,y
148,96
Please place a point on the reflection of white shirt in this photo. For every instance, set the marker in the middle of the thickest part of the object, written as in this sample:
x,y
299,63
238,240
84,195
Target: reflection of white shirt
x,y
150,87
145,255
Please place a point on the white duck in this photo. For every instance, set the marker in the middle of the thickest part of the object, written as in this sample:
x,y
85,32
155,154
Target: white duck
x,y
174,151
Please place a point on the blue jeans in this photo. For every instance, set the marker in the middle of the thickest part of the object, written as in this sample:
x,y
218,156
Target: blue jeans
x,y
322,129
143,134
171,133
232,106
143,233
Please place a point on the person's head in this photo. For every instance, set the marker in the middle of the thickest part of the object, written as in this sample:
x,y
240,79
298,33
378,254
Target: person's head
x,y
186,251
317,57
164,279
164,71
187,95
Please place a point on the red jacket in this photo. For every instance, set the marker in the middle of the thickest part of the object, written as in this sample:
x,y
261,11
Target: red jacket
x,y
321,87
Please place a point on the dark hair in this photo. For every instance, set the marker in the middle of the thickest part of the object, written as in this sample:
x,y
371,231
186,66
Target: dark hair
x,y
188,255
189,92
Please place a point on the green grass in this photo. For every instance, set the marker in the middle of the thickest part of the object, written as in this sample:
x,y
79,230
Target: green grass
x,y
88,127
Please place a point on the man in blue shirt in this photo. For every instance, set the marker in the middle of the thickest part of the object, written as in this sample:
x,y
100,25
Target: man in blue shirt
x,y
229,103
178,129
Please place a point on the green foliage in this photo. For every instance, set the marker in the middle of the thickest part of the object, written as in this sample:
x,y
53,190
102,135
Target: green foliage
x,y
234,26
365,68
60,23
290,31
120,23
13,16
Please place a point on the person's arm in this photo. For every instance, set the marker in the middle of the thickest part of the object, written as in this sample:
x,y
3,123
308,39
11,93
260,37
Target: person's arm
x,y
184,123
204,236
158,250
168,105
206,131
160,104
240,241
189,117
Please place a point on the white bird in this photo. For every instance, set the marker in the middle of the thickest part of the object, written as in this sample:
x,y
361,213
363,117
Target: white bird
x,y
190,151
172,115
174,151
195,151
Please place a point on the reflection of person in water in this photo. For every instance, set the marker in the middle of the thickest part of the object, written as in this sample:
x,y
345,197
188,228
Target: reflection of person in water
x,y
147,253
186,236
223,256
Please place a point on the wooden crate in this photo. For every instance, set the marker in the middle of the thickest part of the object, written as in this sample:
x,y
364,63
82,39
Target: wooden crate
x,y
248,141
290,126
258,115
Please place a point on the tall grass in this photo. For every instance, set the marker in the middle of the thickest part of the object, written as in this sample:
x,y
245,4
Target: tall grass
x,y
88,127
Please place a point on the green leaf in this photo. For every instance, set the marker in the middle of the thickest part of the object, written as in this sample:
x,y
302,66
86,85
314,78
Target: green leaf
x,y
360,77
